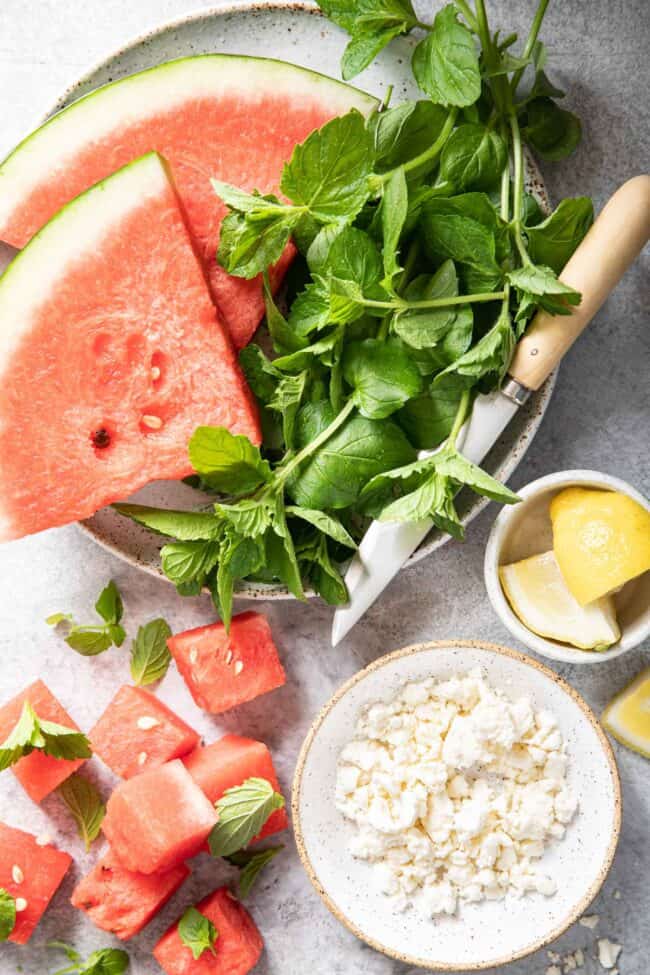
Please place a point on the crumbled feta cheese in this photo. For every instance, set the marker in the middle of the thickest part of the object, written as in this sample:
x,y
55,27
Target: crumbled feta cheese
x,y
455,791
608,952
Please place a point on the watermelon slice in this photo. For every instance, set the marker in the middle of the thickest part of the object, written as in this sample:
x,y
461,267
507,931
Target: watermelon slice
x,y
223,669
138,732
156,820
31,872
121,901
233,118
229,762
39,774
110,355
237,949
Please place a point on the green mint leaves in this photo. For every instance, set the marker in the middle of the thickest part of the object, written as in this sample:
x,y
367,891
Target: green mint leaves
x,y
243,811
446,64
150,656
197,932
372,25
7,914
86,806
95,639
251,863
32,732
105,961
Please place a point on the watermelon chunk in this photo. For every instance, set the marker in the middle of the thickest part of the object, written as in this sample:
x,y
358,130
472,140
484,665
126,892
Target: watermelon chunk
x,y
121,901
237,949
110,355
31,873
39,774
229,762
157,819
224,669
233,118
138,732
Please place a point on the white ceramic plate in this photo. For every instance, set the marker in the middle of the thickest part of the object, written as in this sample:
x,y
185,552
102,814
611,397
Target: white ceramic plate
x,y
481,935
293,32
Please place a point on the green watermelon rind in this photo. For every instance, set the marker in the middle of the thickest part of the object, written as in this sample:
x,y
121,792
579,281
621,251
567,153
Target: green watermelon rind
x,y
70,131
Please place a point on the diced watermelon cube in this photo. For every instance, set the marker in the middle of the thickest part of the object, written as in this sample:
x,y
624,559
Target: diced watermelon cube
x,y
237,949
229,762
39,774
31,873
157,819
121,901
223,670
138,732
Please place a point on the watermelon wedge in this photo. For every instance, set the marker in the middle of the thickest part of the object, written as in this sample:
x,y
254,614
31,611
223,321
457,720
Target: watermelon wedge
x,y
110,355
233,118
31,872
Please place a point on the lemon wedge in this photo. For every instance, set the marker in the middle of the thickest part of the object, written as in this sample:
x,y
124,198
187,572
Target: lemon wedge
x,y
627,716
541,599
601,540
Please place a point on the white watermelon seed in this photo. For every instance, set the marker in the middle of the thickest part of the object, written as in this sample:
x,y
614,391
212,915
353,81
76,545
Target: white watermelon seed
x,y
151,421
142,758
146,723
155,373
17,875
21,904
229,657
239,666
194,655
43,839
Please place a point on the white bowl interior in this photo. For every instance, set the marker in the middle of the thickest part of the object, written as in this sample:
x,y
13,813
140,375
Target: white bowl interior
x,y
482,935
525,530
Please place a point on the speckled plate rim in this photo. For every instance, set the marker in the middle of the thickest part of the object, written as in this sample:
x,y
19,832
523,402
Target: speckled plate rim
x,y
522,658
541,399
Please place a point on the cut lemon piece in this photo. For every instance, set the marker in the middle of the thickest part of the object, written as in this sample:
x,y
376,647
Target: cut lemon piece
x,y
627,716
541,599
601,540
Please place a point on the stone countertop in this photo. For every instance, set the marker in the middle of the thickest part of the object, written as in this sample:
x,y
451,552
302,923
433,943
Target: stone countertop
x,y
596,420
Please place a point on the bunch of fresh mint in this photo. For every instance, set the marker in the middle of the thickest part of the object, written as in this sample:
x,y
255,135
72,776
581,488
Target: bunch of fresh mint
x,y
421,261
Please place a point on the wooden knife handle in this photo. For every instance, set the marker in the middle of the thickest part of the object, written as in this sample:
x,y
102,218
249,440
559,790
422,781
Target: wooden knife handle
x,y
614,241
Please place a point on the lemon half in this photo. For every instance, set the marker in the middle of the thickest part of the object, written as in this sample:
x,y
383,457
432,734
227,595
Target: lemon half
x,y
601,540
627,716
541,599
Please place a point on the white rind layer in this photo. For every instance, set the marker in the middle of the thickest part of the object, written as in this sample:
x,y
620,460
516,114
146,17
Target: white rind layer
x,y
122,103
76,231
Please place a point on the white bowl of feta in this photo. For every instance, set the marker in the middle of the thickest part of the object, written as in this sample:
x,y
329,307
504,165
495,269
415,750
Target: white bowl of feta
x,y
456,805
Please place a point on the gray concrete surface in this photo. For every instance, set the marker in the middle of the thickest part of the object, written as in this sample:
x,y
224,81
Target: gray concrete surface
x,y
598,419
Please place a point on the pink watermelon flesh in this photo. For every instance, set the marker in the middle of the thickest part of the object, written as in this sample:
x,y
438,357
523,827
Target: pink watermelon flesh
x,y
228,763
121,901
39,774
113,363
124,739
41,867
237,949
157,820
223,669
242,137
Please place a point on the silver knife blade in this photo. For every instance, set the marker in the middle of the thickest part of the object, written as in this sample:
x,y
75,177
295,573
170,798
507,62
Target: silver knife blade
x,y
388,544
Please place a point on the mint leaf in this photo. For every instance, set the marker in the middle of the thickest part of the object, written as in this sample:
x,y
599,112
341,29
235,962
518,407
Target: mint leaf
x,y
197,932
454,465
423,328
553,241
325,523
322,573
248,246
150,656
473,158
105,961
86,805
284,338
247,517
328,173
539,285
393,211
228,463
57,618
550,131
109,604
7,914
92,640
445,63
32,732
62,742
489,357
400,134
382,375
239,557
186,526
243,811
372,24
251,863
189,562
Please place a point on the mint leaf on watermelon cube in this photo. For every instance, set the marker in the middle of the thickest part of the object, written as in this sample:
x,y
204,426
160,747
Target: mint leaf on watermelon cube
x,y
121,901
236,951
158,819
138,732
223,670
30,873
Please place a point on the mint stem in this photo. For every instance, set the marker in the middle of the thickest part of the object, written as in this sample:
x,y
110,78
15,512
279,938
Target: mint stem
x,y
466,11
518,189
402,305
282,473
530,42
434,150
461,416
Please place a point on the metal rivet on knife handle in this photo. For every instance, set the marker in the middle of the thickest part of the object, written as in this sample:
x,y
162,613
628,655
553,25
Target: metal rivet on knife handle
x,y
610,247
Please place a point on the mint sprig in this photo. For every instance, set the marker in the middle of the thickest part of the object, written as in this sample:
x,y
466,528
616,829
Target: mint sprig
x,y
104,961
251,863
197,932
7,914
86,806
150,656
33,733
243,811
91,640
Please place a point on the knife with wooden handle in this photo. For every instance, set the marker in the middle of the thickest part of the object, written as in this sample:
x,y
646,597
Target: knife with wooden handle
x,y
612,244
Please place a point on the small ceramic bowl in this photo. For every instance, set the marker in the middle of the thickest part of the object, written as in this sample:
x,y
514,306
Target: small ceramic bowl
x,y
524,530
492,933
